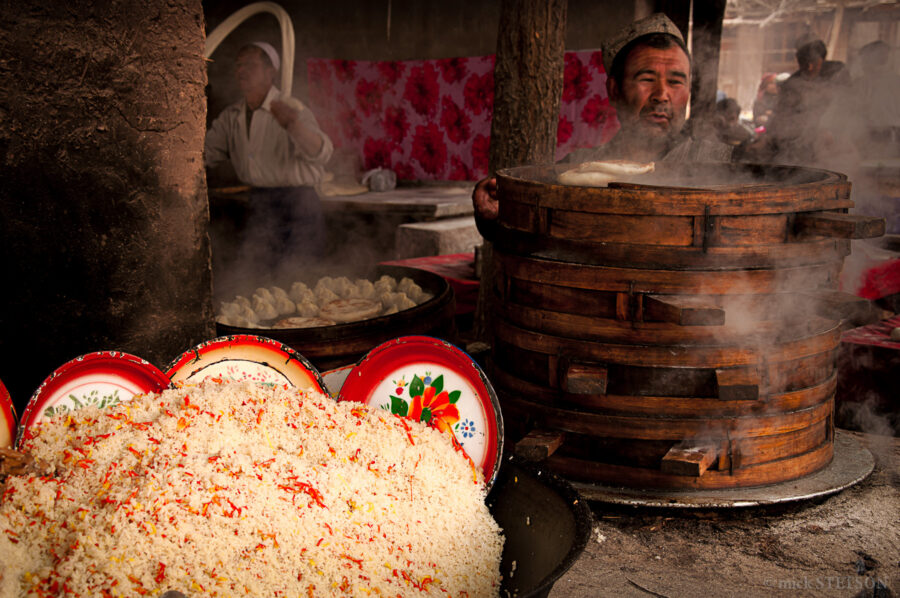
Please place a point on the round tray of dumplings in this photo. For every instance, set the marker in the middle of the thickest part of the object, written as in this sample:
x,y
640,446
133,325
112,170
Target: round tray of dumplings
x,y
334,320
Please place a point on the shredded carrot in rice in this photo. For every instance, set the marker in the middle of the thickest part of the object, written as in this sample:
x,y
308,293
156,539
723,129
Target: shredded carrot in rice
x,y
238,489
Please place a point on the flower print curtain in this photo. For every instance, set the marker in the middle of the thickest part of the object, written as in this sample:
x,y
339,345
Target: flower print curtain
x,y
431,119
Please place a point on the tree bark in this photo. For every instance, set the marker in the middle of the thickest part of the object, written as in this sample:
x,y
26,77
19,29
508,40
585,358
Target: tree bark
x,y
528,82
103,209
708,18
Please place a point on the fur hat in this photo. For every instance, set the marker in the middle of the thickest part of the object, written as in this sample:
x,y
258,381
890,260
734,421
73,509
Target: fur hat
x,y
655,23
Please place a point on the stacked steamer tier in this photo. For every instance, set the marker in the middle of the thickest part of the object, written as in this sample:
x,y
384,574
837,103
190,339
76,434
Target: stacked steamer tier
x,y
663,334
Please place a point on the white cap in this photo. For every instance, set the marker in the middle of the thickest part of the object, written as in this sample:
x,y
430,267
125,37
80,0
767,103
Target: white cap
x,y
270,52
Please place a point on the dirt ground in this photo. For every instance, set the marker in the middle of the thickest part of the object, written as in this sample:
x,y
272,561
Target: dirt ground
x,y
844,545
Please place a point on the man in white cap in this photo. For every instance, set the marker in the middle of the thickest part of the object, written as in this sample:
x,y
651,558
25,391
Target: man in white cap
x,y
277,148
649,84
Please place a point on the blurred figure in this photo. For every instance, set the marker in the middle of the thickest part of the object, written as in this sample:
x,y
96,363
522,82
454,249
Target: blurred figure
x,y
277,148
795,131
727,120
766,99
876,93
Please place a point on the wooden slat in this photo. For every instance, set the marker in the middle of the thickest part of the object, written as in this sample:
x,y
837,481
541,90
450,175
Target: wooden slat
x,y
842,306
561,321
765,229
600,304
623,311
646,428
585,379
771,448
738,384
684,310
664,406
617,228
538,186
689,459
815,250
538,445
822,336
765,473
835,224
669,282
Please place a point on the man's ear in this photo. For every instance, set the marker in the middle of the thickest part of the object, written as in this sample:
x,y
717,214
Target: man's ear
x,y
612,89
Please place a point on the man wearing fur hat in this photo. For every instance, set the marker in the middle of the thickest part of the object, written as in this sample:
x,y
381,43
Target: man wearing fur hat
x,y
277,148
649,84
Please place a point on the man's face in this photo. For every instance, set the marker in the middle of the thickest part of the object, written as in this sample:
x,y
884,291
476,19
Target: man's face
x,y
253,73
654,93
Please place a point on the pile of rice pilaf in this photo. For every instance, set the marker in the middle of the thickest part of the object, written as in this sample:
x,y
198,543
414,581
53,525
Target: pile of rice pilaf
x,y
226,489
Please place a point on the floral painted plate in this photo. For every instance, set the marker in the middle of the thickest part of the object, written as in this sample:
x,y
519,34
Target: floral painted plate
x,y
246,357
7,418
101,379
429,379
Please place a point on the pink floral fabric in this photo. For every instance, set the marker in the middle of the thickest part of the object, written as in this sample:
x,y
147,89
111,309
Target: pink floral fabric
x,y
431,119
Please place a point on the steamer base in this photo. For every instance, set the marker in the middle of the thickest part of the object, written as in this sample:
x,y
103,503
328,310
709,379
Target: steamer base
x,y
851,464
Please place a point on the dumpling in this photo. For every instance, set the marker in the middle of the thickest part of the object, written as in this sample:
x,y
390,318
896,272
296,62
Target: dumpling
x,y
263,309
305,296
285,306
343,287
389,280
298,290
247,314
307,309
403,302
229,309
405,283
391,310
411,289
265,294
242,301
326,282
387,300
422,297
324,295
365,289
278,293
236,320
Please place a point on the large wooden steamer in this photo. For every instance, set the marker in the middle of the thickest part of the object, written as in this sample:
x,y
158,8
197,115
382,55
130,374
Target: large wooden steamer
x,y
667,333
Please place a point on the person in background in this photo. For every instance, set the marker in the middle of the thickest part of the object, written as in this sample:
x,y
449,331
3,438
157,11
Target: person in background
x,y
766,99
276,147
729,129
878,93
649,84
795,133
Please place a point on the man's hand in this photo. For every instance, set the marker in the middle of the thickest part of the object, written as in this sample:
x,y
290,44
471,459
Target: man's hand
x,y
284,114
484,199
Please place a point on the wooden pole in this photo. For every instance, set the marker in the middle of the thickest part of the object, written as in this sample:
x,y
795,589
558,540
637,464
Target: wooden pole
x,y
528,80
707,39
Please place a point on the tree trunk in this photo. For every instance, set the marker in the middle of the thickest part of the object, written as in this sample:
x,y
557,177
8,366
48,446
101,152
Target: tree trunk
x,y
103,209
708,18
528,81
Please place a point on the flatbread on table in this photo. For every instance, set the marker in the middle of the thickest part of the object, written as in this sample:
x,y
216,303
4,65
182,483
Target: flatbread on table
x,y
599,173
350,310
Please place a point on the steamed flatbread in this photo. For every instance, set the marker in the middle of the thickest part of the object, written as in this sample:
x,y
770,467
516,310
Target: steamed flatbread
x,y
303,322
600,173
350,310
